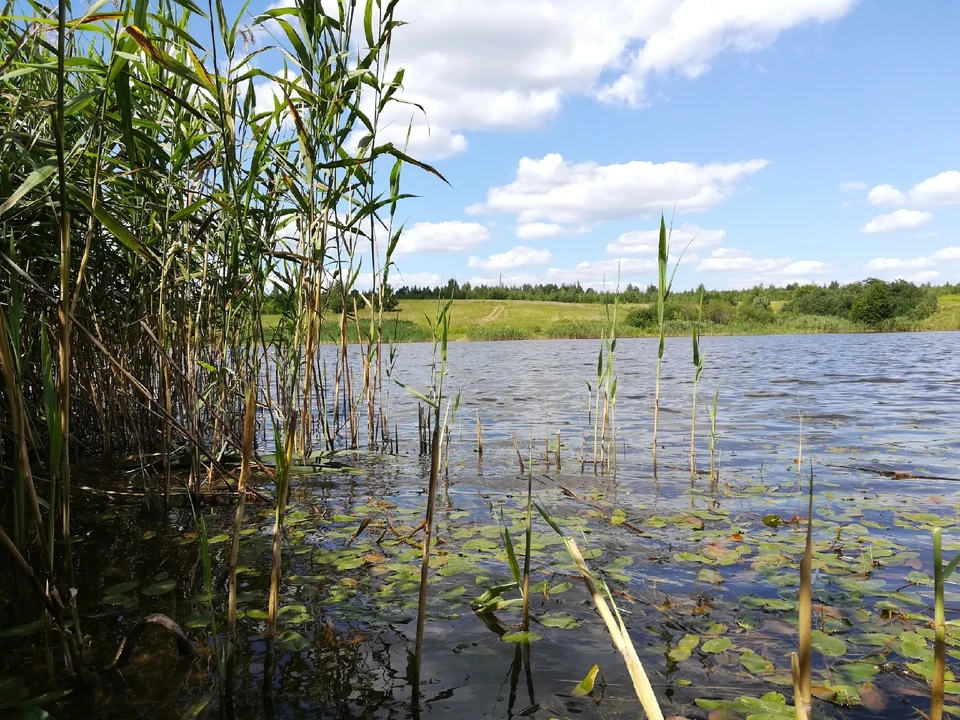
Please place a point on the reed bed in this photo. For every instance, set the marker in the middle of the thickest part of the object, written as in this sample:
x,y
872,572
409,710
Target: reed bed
x,y
160,182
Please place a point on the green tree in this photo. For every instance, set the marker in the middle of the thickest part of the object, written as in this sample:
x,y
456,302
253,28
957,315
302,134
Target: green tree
x,y
873,305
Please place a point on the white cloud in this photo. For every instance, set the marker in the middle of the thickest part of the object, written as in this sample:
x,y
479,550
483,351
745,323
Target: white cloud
x,y
896,265
729,253
927,235
542,231
947,253
690,34
509,280
806,267
897,220
647,241
421,279
923,277
448,236
742,263
504,64
899,263
728,259
942,189
845,204
852,186
518,257
554,190
539,231
885,195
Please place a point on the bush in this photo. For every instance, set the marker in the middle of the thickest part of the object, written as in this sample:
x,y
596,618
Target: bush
x,y
718,311
873,306
750,314
643,317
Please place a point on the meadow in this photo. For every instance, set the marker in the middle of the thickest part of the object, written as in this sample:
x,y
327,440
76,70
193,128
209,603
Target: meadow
x,y
542,320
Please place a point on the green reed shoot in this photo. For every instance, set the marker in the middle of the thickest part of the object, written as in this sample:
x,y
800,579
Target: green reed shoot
x,y
941,574
697,370
528,535
663,292
714,437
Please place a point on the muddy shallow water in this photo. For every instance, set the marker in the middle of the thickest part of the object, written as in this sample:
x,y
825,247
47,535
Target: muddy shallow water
x,y
706,577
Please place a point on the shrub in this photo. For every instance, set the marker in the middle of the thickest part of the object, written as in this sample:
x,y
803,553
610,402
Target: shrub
x,y
749,314
873,306
718,311
643,317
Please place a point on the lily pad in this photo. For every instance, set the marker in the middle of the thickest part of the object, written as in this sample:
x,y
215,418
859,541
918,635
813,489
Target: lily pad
x,y
828,645
716,645
558,619
756,664
160,588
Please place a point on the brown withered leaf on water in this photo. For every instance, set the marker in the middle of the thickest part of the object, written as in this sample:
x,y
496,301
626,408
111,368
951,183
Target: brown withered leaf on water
x,y
873,698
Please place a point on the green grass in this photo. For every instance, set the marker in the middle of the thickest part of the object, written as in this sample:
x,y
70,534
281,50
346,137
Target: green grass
x,y
535,320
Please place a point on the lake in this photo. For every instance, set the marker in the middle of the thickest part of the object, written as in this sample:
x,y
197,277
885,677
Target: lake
x,y
705,574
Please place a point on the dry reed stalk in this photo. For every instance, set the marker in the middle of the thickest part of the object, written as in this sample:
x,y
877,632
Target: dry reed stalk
x,y
620,636
516,446
479,437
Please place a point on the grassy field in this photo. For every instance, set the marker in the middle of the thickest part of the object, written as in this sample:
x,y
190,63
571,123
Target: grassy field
x,y
527,319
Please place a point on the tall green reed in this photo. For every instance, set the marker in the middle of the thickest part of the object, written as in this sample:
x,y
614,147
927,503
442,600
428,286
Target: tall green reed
x,y
698,360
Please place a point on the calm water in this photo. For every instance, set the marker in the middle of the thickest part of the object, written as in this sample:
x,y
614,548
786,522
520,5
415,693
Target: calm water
x,y
703,565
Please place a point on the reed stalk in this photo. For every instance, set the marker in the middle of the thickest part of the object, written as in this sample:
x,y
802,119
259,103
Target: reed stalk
x,y
615,625
802,663
249,430
698,360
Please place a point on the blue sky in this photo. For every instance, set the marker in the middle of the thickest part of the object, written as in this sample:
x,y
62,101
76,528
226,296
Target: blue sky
x,y
799,140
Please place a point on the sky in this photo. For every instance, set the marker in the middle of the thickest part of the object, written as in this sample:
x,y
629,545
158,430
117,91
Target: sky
x,y
784,140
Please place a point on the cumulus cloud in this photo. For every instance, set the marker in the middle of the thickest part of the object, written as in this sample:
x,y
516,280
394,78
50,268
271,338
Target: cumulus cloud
x,y
542,231
509,279
556,191
420,279
947,253
942,189
729,259
448,236
506,65
689,35
518,257
852,186
899,263
897,266
923,277
897,220
641,242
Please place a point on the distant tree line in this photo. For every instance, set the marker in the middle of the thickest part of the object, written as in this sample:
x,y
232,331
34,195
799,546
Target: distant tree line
x,y
870,302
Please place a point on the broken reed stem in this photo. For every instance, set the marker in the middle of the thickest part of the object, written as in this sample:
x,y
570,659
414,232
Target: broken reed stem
x,y
621,638
479,437
516,446
558,451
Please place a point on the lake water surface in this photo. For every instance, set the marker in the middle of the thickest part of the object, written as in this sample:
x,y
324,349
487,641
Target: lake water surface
x,y
705,575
